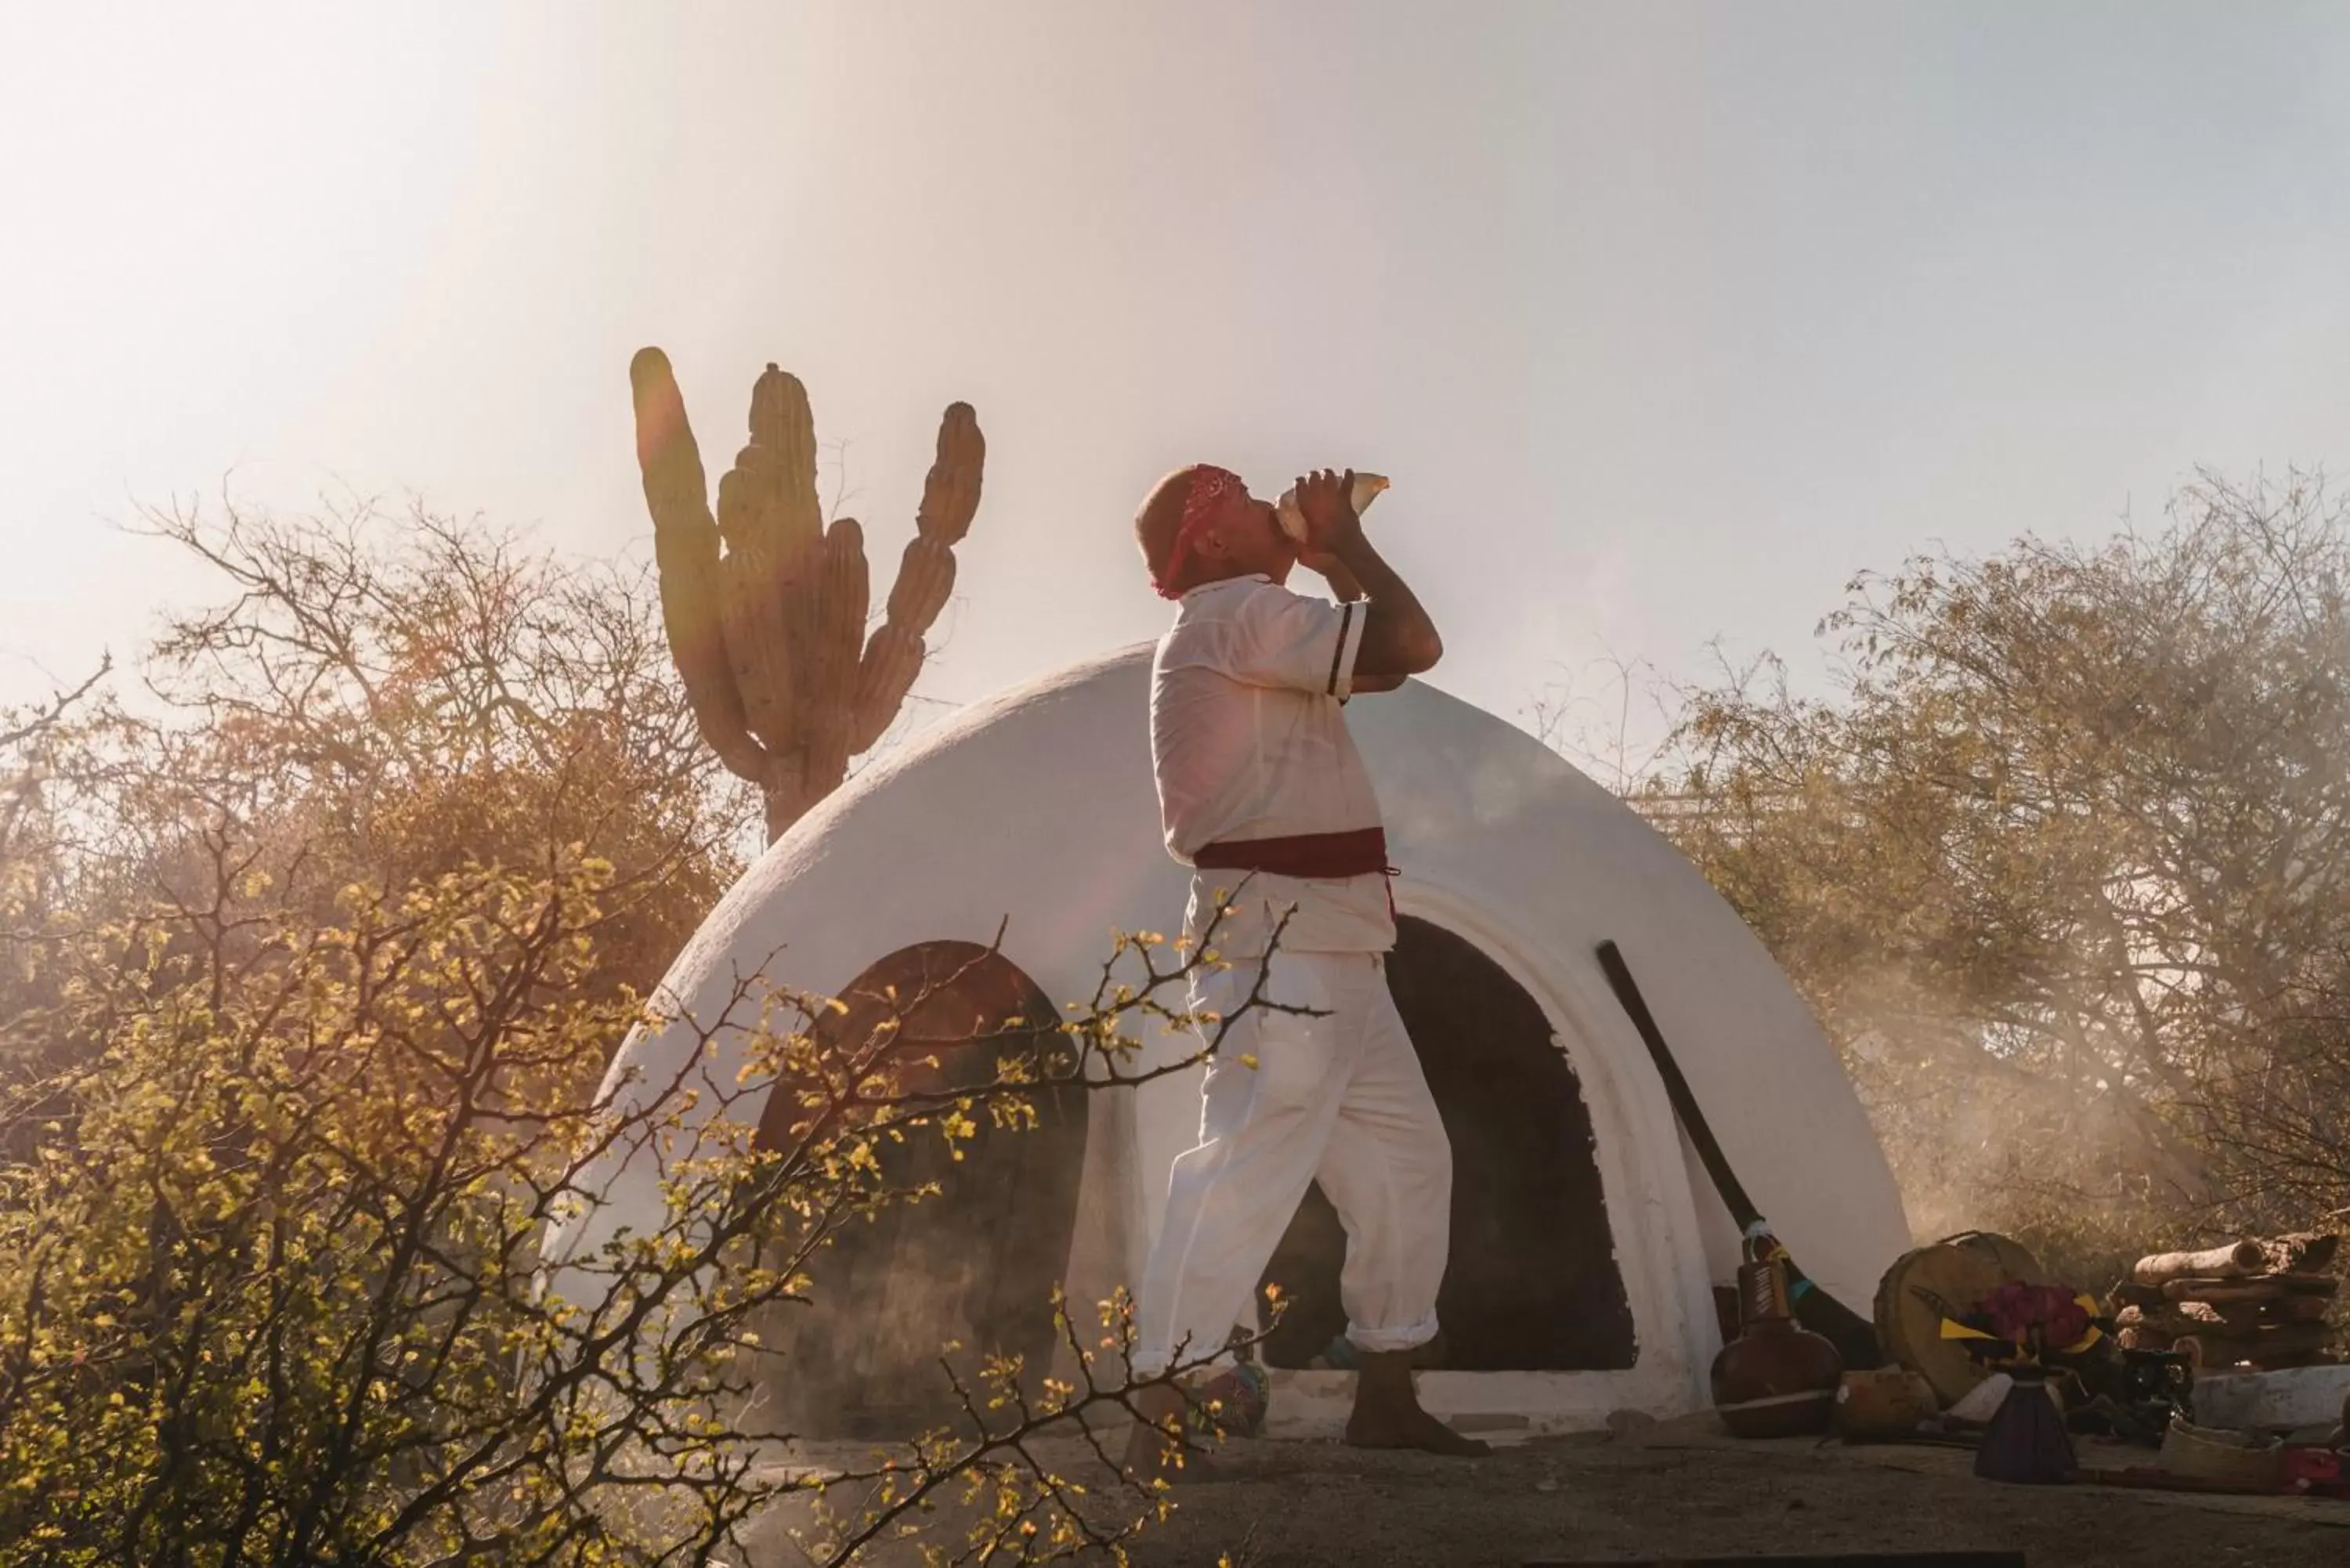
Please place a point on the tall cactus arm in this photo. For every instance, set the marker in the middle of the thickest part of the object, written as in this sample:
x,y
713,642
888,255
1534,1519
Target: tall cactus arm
x,y
685,555
844,594
768,512
951,493
893,658
926,574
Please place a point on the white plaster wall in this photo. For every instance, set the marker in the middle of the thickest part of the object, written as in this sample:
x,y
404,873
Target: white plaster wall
x,y
1037,809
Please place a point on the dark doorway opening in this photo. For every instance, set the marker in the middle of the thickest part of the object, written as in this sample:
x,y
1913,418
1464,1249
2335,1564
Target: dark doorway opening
x,y
976,1264
1530,1284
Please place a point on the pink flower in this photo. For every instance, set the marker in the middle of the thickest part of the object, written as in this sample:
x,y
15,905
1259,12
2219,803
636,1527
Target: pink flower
x,y
2038,1316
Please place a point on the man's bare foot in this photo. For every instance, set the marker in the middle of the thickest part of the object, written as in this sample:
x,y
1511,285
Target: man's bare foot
x,y
1417,1430
1387,1413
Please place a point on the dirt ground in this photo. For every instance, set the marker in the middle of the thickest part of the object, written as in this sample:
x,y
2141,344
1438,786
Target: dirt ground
x,y
1682,1491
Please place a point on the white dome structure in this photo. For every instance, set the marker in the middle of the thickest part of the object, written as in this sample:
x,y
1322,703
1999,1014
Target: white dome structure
x,y
1587,1238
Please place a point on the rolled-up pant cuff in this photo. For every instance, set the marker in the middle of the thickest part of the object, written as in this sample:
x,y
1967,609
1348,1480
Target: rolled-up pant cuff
x,y
1384,1341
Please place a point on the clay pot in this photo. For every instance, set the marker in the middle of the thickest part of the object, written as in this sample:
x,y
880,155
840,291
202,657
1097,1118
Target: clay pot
x,y
1774,1380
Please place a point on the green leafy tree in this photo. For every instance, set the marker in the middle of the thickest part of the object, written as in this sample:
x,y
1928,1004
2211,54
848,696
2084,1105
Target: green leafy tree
x,y
2061,865
274,1291
318,949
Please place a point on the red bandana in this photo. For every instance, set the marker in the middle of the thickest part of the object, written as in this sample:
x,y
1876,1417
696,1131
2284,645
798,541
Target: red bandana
x,y
1210,484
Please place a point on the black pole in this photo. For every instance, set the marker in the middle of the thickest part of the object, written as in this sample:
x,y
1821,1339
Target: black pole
x,y
1708,1151
1854,1336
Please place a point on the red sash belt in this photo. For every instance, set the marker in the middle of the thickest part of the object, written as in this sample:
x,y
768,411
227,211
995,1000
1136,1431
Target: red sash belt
x,y
1319,856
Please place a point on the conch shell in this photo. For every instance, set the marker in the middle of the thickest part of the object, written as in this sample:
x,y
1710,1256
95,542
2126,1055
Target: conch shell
x,y
1367,490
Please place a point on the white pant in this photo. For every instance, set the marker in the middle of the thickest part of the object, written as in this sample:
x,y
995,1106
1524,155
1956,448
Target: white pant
x,y
1339,1099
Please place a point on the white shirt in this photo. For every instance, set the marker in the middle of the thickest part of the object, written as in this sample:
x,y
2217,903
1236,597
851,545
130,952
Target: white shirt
x,y
1248,740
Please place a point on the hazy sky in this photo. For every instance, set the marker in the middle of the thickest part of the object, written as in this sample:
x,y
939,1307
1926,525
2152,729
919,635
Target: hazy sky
x,y
1663,319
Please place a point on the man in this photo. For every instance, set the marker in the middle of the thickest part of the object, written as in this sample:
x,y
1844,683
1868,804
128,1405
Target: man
x,y
1261,790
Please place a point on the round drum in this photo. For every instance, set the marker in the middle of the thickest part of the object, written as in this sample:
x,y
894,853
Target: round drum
x,y
1946,1280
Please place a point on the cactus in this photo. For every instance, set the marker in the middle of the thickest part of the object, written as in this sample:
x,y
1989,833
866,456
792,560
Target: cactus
x,y
766,632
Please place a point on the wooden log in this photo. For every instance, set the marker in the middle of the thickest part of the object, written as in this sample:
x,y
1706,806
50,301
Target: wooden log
x,y
2130,1293
2290,1338
2266,1288
2307,1253
2144,1479
2166,1316
2213,1293
2201,1317
2222,1349
2297,1309
2232,1261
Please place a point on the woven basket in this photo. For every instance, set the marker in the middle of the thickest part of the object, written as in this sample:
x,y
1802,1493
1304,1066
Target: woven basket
x,y
2242,1459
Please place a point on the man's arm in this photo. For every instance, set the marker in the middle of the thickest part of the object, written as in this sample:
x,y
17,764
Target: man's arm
x,y
1347,590
1398,638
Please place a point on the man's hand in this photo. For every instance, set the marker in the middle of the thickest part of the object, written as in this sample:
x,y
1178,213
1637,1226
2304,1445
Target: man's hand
x,y
1326,500
1399,639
